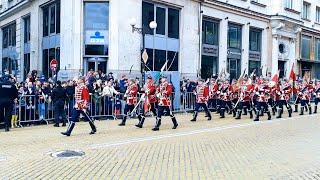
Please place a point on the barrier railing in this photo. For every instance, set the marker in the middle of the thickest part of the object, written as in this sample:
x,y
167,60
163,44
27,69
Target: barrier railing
x,y
31,109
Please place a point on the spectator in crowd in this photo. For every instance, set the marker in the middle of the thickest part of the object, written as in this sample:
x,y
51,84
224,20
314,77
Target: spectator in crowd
x,y
109,92
58,96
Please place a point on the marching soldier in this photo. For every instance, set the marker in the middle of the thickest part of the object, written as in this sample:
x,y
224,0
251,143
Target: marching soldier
x,y
244,100
213,88
131,96
202,93
262,101
151,100
283,93
81,106
305,97
164,92
317,97
224,95
234,96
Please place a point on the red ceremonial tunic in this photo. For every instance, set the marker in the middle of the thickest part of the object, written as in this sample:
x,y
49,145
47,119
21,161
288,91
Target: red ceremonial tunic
x,y
164,92
131,94
202,93
81,97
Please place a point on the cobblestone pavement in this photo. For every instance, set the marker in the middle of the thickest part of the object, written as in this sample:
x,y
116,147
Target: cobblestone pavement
x,y
218,149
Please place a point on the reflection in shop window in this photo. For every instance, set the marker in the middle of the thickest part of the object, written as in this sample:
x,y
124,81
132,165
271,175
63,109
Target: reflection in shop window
x,y
161,21
317,49
255,40
96,16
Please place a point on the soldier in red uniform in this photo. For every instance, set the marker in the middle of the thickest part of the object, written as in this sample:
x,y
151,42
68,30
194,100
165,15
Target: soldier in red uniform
x,y
262,100
213,88
131,96
224,95
164,92
317,97
244,100
283,93
81,105
151,100
305,96
202,93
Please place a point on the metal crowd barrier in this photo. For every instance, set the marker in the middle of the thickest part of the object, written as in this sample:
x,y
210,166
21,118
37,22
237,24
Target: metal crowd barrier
x,y
30,109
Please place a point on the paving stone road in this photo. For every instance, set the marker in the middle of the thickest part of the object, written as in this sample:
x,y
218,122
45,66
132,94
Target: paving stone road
x,y
218,149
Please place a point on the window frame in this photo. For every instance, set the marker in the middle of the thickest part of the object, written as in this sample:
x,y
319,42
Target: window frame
x,y
27,29
258,32
306,10
10,31
215,25
289,4
303,36
240,35
49,8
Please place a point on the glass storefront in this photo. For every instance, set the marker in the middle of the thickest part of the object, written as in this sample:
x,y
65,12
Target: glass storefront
x,y
96,41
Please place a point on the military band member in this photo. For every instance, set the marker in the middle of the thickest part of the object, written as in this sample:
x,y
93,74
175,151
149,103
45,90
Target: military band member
x,y
245,100
164,92
81,106
202,93
131,98
213,88
283,93
305,97
150,98
262,101
317,97
224,96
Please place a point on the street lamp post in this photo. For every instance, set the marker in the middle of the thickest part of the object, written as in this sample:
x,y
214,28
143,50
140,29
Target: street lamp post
x,y
142,31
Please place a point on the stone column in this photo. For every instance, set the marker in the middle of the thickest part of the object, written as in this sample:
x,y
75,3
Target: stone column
x,y
223,45
245,49
275,52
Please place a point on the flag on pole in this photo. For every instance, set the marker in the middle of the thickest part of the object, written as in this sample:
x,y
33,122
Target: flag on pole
x,y
292,76
275,79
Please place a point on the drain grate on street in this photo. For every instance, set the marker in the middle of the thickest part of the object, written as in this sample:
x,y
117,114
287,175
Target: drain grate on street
x,y
68,154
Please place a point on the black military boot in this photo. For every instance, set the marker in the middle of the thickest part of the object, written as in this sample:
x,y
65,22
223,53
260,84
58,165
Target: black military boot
x,y
306,108
310,109
279,111
195,115
274,109
315,109
262,112
222,111
209,116
290,112
69,130
269,115
157,126
64,122
257,116
6,129
141,122
238,116
175,123
234,113
123,122
251,115
296,108
245,112
302,110
93,128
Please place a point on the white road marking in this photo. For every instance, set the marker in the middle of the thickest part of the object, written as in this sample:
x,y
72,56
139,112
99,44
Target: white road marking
x,y
199,131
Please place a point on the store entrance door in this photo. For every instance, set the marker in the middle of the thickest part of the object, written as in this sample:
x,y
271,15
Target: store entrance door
x,y
95,64
234,68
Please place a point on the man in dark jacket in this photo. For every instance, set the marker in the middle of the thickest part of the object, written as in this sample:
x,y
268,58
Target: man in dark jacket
x,y
8,92
58,96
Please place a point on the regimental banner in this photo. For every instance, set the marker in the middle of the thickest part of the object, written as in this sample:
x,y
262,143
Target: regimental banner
x,y
210,50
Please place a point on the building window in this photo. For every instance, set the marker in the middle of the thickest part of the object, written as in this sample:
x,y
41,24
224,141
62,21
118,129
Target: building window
x,y
155,64
210,32
234,36
51,19
161,21
305,47
317,49
47,56
9,36
289,4
306,10
96,28
209,66
168,20
318,14
26,29
255,40
173,23
26,69
147,16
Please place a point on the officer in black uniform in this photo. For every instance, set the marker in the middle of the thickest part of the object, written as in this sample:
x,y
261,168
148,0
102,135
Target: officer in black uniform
x,y
59,95
8,93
